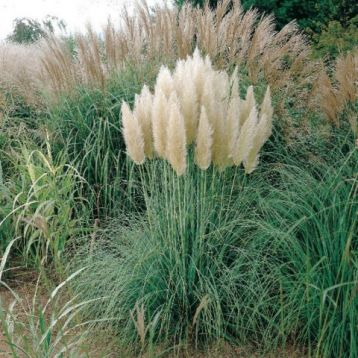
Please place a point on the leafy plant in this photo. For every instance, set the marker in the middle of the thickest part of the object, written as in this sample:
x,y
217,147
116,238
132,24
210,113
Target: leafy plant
x,y
47,206
335,40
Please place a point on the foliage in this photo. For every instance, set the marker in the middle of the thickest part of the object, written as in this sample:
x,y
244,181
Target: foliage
x,y
47,208
27,30
87,123
261,259
268,259
312,219
182,266
334,39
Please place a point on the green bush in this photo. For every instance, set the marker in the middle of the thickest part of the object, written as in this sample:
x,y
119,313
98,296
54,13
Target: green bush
x,y
335,39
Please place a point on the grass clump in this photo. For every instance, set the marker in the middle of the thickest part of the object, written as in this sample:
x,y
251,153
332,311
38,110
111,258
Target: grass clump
x,y
44,205
268,260
87,123
312,217
183,267
186,250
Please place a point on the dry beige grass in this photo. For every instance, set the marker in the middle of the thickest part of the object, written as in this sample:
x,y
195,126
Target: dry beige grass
x,y
20,67
341,89
228,35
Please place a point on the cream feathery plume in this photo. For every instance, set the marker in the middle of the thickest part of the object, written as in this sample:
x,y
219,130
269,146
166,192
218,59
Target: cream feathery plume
x,y
233,113
266,108
251,164
179,70
187,95
204,141
208,64
176,141
247,105
263,132
189,107
233,123
246,138
222,86
132,134
143,112
164,82
160,122
234,83
200,69
264,129
218,117
215,114
252,158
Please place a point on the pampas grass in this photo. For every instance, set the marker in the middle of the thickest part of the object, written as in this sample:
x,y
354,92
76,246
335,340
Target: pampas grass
x,y
143,112
176,140
19,76
133,135
204,142
159,122
226,129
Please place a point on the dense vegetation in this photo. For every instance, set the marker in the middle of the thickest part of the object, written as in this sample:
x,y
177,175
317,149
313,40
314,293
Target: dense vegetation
x,y
331,25
171,201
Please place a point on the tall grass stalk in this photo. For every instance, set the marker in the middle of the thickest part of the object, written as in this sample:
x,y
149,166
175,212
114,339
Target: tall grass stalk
x,y
183,263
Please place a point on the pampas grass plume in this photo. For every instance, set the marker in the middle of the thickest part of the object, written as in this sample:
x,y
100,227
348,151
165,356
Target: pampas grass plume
x,y
176,140
263,132
246,138
143,113
204,141
164,82
189,106
160,122
197,104
247,105
266,107
132,134
233,123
